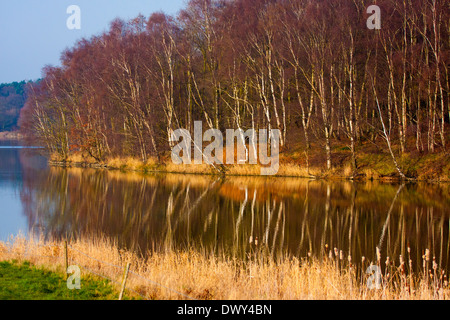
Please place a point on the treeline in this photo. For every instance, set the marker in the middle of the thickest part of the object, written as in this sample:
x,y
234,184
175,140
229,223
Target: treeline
x,y
310,68
12,99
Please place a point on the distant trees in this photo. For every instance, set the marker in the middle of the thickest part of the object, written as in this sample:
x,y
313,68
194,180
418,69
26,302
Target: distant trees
x,y
309,68
12,99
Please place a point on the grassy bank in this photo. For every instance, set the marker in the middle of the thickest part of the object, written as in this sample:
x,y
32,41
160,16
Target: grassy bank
x,y
201,275
23,281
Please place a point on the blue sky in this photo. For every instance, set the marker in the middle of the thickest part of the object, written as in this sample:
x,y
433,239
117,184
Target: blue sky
x,y
33,33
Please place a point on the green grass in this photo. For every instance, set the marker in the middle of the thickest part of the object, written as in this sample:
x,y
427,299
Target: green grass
x,y
26,282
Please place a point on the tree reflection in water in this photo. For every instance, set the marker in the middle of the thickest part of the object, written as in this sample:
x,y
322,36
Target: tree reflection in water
x,y
241,217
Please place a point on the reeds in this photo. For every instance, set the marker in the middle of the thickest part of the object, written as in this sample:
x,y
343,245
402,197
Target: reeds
x,y
153,165
168,274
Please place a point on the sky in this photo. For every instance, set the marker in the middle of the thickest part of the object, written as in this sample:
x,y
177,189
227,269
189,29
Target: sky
x,y
34,33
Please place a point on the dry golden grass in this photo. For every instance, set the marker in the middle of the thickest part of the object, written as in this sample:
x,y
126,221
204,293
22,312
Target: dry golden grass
x,y
128,163
287,168
152,165
371,174
292,170
176,275
55,157
115,163
243,170
189,169
347,171
75,158
78,157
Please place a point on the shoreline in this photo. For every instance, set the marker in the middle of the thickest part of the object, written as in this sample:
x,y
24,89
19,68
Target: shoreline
x,y
285,171
201,172
13,135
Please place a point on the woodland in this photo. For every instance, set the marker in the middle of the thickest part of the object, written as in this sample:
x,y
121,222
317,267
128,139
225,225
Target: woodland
x,y
309,68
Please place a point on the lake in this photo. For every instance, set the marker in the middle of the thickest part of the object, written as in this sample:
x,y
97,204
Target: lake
x,y
225,216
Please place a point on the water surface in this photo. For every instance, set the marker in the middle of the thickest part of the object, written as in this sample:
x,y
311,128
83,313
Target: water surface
x,y
15,159
235,216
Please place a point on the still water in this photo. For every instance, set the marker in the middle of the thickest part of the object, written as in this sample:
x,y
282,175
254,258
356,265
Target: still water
x,y
232,216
